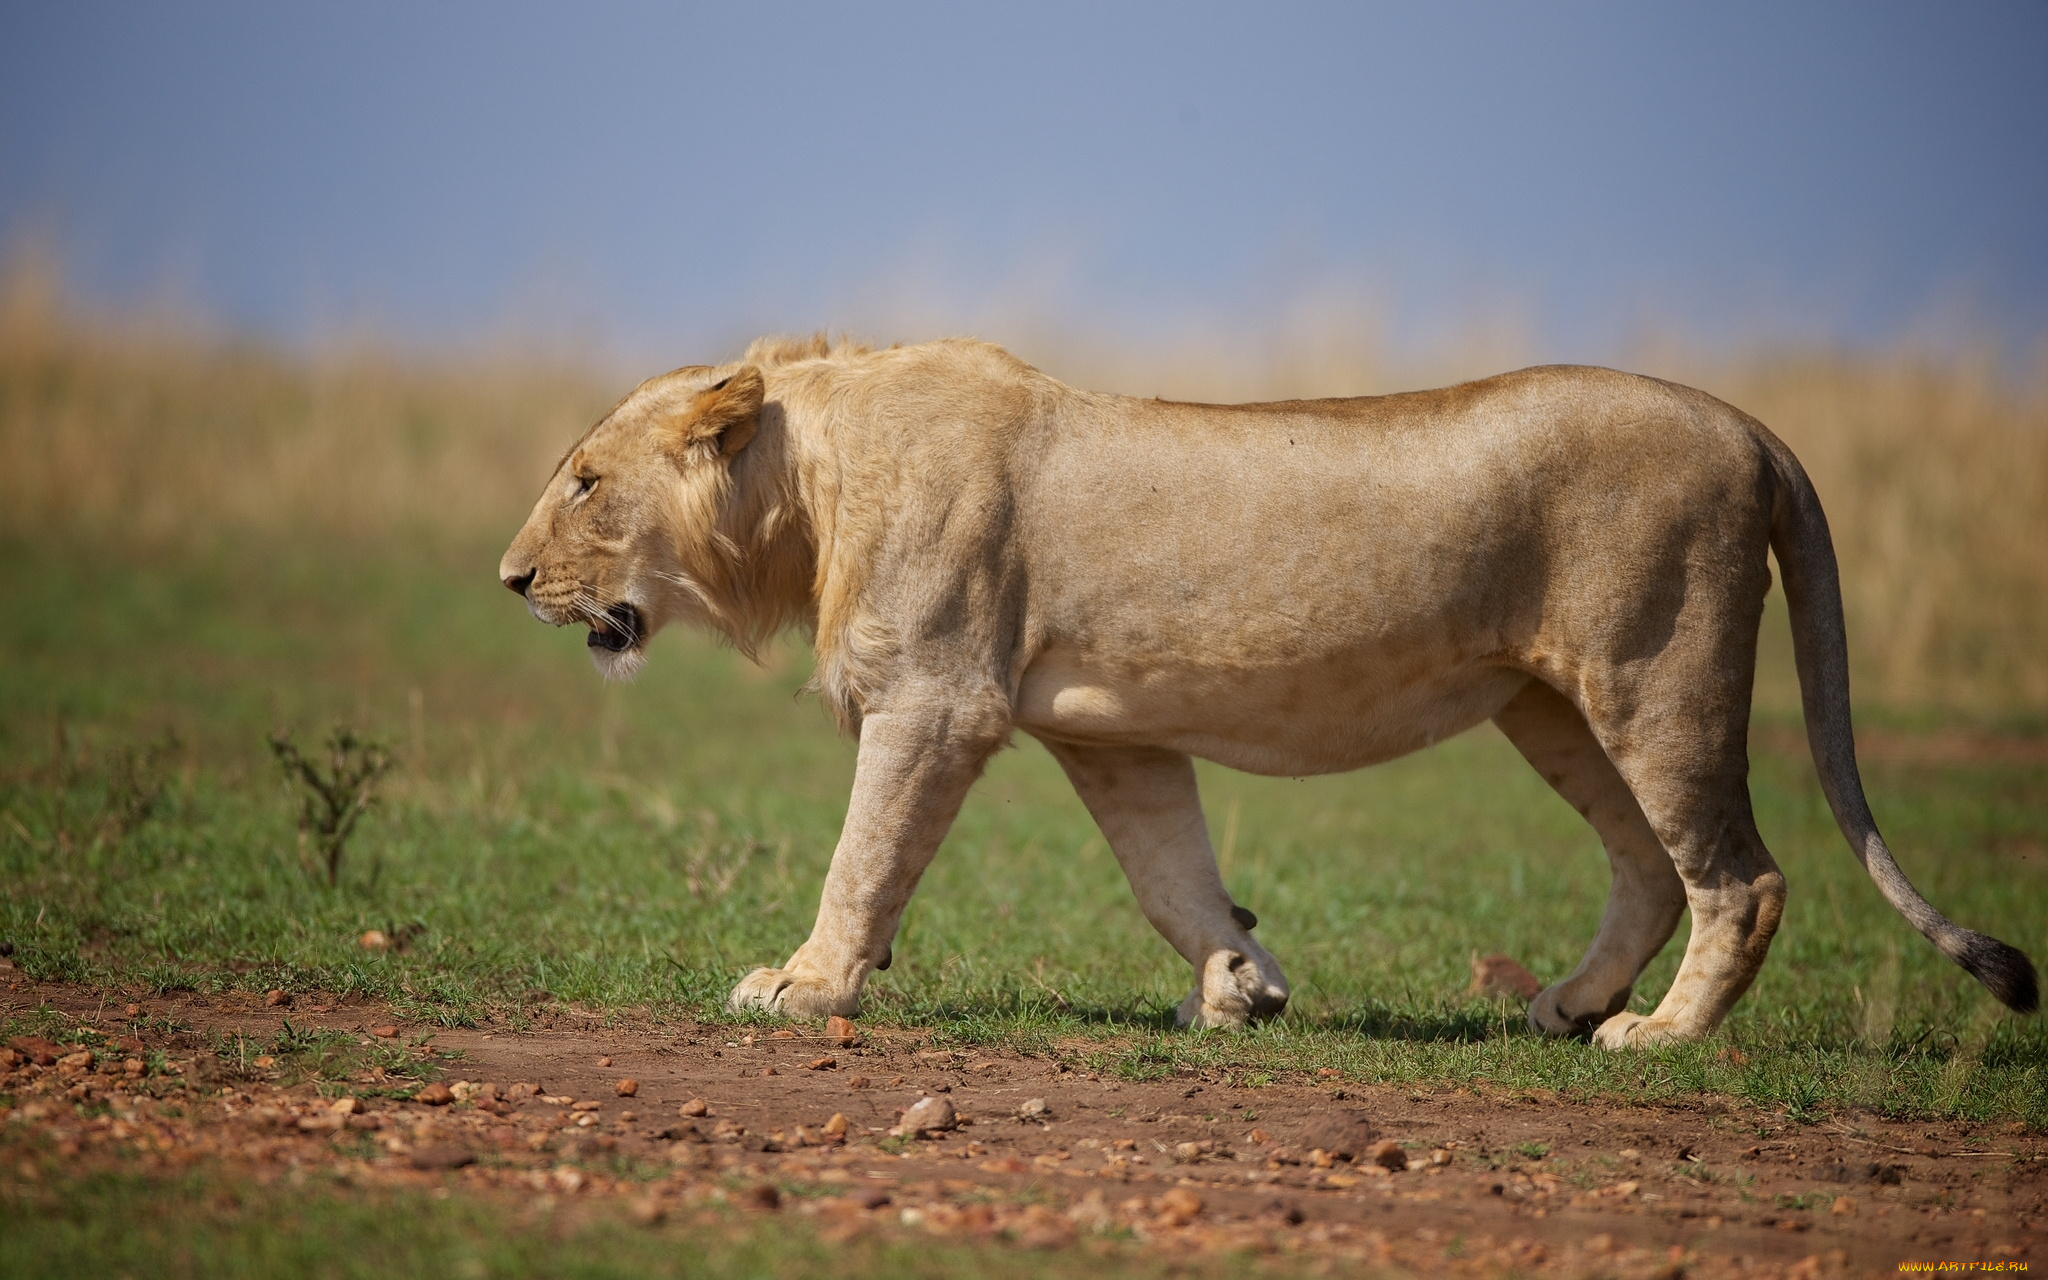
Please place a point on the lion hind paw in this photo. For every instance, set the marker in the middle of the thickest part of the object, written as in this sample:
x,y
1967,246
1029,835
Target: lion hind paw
x,y
1634,1031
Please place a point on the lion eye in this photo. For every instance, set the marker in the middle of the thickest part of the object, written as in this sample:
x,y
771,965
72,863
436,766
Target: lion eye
x,y
584,484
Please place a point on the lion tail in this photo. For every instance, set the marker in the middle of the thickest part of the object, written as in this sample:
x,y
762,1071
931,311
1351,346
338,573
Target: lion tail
x,y
1806,559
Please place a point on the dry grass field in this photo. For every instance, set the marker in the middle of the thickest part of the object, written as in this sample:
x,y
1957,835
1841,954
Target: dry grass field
x,y
146,434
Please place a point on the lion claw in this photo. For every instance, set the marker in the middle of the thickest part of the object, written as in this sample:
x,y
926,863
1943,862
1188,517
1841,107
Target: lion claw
x,y
1634,1031
791,995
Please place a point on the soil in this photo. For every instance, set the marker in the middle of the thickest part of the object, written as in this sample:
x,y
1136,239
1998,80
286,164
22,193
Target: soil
x,y
1046,1153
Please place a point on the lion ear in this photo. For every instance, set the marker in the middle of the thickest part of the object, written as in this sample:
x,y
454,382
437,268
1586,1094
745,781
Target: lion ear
x,y
723,415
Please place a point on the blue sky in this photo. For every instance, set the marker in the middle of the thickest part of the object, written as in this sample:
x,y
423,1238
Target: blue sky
x,y
671,177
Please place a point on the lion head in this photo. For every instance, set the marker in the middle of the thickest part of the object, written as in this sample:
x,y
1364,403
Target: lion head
x,y
640,524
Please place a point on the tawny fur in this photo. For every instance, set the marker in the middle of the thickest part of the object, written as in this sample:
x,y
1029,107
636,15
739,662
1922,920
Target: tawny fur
x,y
1293,588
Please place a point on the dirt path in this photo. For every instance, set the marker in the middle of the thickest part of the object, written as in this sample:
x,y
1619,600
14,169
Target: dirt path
x,y
1046,1153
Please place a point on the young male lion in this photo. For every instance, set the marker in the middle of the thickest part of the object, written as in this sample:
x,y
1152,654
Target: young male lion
x,y
1294,588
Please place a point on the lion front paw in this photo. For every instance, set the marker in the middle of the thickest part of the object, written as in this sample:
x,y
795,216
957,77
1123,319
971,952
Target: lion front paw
x,y
792,994
1634,1031
1235,992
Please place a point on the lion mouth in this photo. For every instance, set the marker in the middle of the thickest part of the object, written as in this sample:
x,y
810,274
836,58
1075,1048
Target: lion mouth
x,y
615,630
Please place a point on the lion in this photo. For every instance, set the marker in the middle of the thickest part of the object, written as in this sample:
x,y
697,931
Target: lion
x,y
1576,554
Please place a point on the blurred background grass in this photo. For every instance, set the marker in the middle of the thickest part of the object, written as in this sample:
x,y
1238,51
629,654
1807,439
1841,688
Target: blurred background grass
x,y
211,537
146,434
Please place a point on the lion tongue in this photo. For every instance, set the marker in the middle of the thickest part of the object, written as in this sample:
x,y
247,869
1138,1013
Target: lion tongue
x,y
603,637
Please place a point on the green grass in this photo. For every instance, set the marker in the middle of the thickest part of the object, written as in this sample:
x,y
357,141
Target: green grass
x,y
643,846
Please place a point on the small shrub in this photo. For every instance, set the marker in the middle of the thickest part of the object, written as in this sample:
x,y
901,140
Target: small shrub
x,y
136,782
333,799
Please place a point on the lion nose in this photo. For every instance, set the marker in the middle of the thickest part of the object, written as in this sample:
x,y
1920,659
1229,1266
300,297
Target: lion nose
x,y
519,584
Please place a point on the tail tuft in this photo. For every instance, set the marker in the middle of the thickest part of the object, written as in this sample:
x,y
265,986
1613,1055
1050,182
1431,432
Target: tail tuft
x,y
2005,972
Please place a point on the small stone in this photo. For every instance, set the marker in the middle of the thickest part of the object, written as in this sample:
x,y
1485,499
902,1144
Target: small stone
x,y
322,1122
385,1032
626,1088
1034,1109
869,1197
81,1059
567,1179
1259,1137
587,1104
628,1116
836,1126
763,1198
860,1082
1345,1135
373,940
1844,1207
346,1106
782,1033
263,1062
1499,975
521,1091
929,1114
827,1063
841,1030
1179,1206
132,1011
647,1211
127,1044
133,1066
277,998
1388,1155
694,1107
769,1071
604,1061
36,1050
435,1095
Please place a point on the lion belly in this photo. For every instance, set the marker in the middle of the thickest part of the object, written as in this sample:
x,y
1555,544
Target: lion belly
x,y
1288,721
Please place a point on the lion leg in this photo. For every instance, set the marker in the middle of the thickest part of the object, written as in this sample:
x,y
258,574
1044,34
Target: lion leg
x,y
1144,800
1646,898
1685,758
912,773
1737,896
